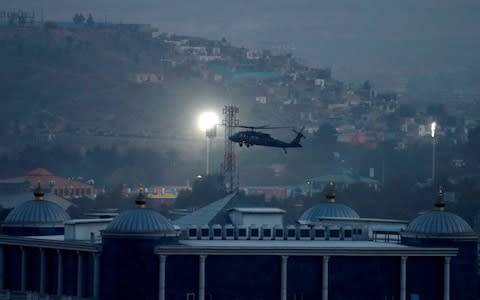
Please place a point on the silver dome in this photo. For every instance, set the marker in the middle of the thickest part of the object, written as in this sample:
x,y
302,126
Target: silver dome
x,y
36,212
140,220
328,210
439,223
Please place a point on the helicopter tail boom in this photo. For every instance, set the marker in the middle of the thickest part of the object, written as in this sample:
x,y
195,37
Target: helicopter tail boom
x,y
296,141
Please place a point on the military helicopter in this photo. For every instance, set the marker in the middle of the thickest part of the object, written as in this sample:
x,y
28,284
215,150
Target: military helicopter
x,y
252,137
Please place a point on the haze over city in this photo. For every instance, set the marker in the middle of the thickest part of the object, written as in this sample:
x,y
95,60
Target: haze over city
x,y
239,150
388,42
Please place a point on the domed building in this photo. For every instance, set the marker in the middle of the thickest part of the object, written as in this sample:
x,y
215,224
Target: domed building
x,y
440,229
36,217
438,223
330,209
129,242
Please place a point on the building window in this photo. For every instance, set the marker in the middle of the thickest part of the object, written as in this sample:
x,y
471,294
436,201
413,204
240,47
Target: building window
x,y
267,232
229,232
319,233
254,232
205,232
298,297
217,232
192,232
190,296
347,233
279,233
291,233
335,233
305,233
242,232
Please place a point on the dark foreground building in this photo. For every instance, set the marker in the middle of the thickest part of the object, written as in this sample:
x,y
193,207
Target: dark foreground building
x,y
142,255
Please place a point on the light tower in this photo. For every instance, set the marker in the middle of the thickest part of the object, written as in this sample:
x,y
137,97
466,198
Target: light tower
x,y
230,120
434,142
207,122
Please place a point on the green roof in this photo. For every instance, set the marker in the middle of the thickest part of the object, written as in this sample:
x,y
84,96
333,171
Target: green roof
x,y
237,74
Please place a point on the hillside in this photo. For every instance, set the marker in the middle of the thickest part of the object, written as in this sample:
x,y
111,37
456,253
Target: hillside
x,y
61,82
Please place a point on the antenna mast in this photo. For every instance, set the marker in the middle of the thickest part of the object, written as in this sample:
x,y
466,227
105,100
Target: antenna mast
x,y
230,120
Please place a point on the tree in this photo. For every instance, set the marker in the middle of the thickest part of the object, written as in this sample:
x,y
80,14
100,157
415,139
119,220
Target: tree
x,y
90,20
205,190
78,18
406,111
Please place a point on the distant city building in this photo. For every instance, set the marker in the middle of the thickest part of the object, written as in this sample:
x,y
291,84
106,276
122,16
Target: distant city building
x,y
343,179
60,186
269,192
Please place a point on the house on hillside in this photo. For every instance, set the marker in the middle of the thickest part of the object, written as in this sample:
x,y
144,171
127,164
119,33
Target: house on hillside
x,y
343,179
62,187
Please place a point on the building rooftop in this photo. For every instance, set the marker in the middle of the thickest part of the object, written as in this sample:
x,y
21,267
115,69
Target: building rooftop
x,y
289,247
439,223
216,212
140,220
330,210
258,210
38,213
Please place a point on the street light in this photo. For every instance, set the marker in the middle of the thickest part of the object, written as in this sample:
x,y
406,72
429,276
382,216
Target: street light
x,y
207,122
432,131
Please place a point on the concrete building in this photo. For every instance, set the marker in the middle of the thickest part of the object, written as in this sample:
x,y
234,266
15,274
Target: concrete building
x,y
142,255
63,187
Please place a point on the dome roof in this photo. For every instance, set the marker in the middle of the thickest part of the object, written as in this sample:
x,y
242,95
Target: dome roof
x,y
328,210
140,220
439,223
37,212
331,209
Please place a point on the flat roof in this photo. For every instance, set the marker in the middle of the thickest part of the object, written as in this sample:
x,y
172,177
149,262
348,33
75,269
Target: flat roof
x,y
366,220
299,247
290,244
258,210
88,221
51,242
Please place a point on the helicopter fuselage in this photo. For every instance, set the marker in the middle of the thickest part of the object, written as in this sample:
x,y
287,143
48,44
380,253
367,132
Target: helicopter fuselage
x,y
250,138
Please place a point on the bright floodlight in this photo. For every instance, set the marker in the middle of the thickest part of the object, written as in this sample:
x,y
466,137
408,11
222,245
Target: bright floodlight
x,y
433,129
207,121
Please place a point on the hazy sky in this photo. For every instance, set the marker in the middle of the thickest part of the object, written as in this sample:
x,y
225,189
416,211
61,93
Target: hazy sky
x,y
383,40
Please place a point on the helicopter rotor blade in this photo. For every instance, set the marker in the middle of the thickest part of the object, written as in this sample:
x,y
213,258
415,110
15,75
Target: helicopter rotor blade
x,y
264,127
